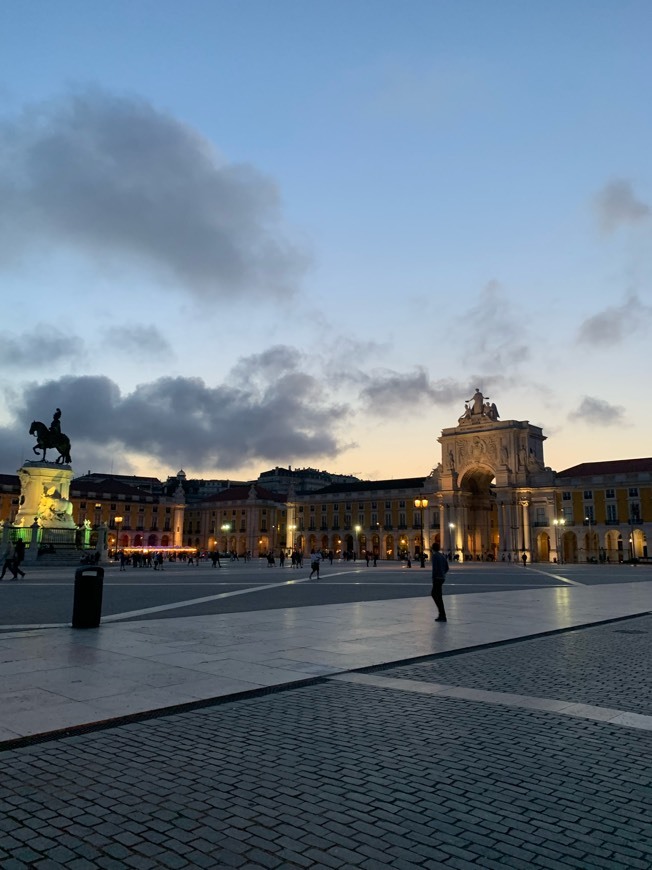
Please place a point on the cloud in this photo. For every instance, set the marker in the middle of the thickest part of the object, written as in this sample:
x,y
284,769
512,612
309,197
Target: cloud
x,y
140,342
598,412
42,346
494,336
269,409
45,346
113,177
616,205
614,324
387,391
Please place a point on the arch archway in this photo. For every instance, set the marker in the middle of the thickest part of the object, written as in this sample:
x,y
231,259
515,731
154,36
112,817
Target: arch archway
x,y
638,543
479,537
613,544
569,546
543,547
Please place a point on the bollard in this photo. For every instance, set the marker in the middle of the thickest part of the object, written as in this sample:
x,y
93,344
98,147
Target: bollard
x,y
87,602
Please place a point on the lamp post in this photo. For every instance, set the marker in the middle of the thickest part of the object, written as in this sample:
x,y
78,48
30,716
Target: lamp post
x,y
559,537
451,526
632,546
118,521
226,528
421,504
358,529
589,547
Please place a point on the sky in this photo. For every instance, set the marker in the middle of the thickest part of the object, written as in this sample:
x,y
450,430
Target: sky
x,y
235,235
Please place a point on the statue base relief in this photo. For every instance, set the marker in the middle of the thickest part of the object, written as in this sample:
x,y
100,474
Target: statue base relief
x,y
44,496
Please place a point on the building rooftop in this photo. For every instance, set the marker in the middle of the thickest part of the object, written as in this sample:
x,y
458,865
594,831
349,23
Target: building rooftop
x,y
109,488
611,466
372,485
241,493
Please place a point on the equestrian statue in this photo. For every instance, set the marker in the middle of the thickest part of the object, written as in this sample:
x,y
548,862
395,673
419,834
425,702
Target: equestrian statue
x,y
52,438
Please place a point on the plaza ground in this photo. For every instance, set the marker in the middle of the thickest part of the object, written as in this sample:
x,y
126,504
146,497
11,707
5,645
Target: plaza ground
x,y
344,734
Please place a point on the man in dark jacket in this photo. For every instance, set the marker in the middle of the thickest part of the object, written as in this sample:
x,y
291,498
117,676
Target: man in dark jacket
x,y
439,571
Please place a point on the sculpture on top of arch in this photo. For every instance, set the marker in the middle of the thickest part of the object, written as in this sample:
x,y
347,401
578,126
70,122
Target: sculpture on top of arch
x,y
478,409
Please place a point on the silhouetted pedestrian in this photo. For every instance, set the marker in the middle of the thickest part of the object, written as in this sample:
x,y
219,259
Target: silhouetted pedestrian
x,y
439,571
315,560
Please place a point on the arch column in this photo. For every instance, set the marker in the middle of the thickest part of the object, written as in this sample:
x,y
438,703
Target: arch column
x,y
525,520
502,536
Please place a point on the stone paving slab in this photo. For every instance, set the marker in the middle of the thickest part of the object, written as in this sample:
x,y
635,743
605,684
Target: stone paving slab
x,y
78,677
339,775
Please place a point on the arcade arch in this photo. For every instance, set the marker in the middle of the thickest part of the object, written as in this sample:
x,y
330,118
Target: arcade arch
x,y
478,537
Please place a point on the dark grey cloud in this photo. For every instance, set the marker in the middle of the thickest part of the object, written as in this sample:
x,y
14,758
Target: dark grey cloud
x,y
46,346
268,410
617,205
36,348
113,177
387,391
598,412
140,342
616,323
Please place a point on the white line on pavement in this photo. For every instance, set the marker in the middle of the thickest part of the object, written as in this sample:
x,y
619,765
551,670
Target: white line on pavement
x,y
506,699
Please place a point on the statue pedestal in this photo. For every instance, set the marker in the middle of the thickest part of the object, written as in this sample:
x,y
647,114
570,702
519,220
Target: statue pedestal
x,y
44,496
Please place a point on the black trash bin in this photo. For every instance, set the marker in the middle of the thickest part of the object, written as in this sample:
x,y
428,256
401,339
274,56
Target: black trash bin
x,y
87,603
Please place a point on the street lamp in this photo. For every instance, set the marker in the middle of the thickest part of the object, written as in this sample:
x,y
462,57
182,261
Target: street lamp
x,y
588,549
632,545
358,529
451,526
559,524
226,528
118,521
420,503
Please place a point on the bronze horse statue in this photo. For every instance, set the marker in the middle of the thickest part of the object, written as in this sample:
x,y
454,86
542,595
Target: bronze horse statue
x,y
48,440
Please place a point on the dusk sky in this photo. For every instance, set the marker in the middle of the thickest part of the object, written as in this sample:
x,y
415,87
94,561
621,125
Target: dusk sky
x,y
235,235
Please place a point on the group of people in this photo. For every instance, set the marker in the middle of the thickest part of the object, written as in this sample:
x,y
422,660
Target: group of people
x,y
438,561
13,558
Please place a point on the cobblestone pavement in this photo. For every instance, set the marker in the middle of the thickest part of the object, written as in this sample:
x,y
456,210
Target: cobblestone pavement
x,y
610,667
336,775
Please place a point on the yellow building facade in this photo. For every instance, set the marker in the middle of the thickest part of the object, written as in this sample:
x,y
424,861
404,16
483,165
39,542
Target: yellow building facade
x,y
490,496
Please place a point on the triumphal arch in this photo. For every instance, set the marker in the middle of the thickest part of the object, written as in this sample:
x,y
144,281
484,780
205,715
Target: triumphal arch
x,y
493,484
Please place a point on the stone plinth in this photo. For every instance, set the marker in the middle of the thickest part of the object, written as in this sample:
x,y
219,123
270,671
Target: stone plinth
x,y
44,496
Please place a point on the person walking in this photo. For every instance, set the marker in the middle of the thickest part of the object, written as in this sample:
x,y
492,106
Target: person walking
x,y
19,555
315,560
524,558
9,562
439,571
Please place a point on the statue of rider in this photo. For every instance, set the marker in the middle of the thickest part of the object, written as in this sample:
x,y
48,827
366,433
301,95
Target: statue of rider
x,y
55,425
